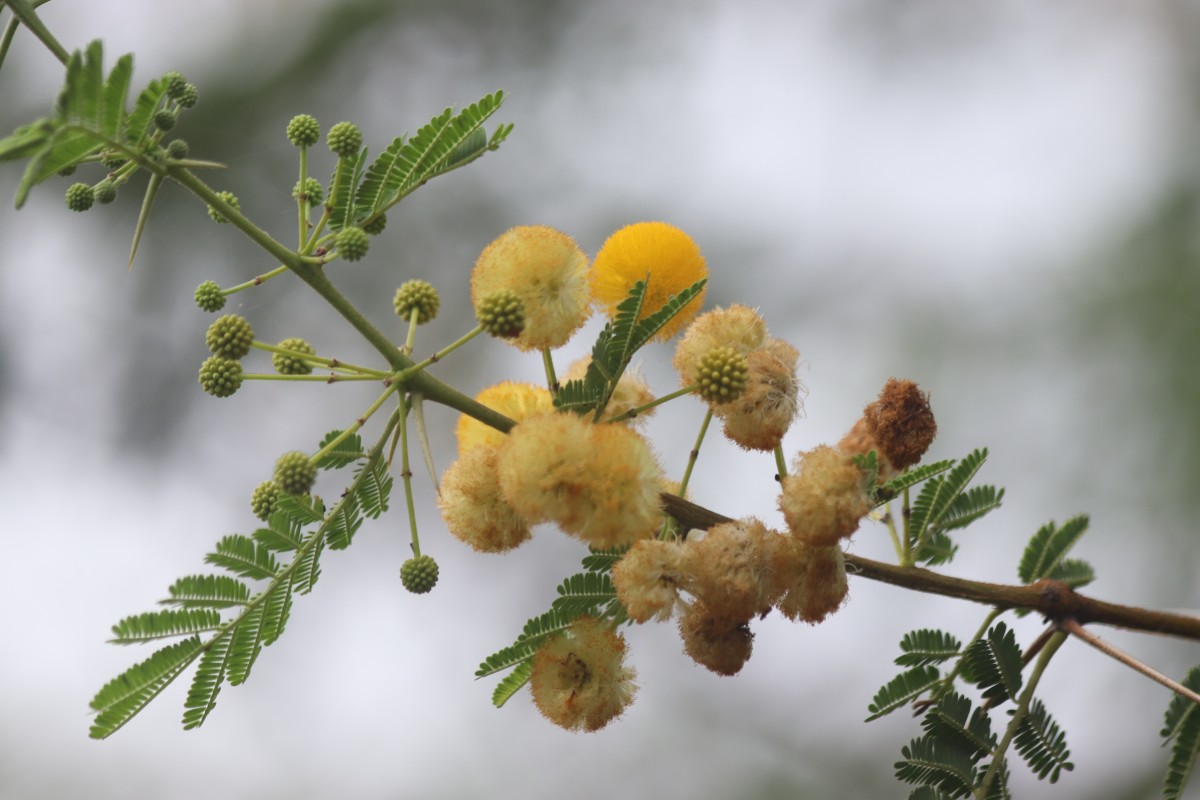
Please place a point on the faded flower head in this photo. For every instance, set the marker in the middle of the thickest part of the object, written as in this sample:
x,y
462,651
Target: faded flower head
x,y
473,508
647,579
580,681
815,581
660,254
762,415
514,400
730,568
824,498
721,644
901,422
547,272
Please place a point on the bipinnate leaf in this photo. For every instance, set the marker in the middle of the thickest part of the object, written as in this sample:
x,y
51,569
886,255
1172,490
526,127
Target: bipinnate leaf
x,y
938,765
374,487
927,646
901,690
536,631
165,624
648,328
345,178
603,560
583,593
207,591
243,556
1181,729
892,488
970,506
128,693
206,683
1042,743
939,494
954,722
345,453
995,663
511,683
245,643
1048,547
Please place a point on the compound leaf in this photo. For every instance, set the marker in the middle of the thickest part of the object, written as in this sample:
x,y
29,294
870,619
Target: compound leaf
x,y
901,690
927,646
649,327
164,624
511,683
125,695
243,556
932,763
1042,743
954,721
347,451
206,683
1048,547
995,663
207,591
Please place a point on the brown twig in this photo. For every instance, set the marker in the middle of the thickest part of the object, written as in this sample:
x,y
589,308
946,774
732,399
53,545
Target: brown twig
x,y
1075,629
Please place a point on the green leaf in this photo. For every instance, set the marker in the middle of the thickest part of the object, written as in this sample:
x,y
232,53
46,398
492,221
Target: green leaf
x,y
1048,547
347,452
277,608
1180,707
376,488
927,646
579,396
344,522
953,721
207,591
26,140
1042,744
206,683
995,663
940,493
246,642
511,683
300,510
604,560
283,531
243,556
938,548
868,465
341,186
164,624
1182,728
896,485
1073,572
648,328
140,122
308,570
536,631
620,345
581,593
970,506
128,693
940,766
116,94
902,689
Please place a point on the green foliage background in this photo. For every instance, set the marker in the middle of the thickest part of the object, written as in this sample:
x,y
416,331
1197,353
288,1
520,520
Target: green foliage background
x,y
1064,338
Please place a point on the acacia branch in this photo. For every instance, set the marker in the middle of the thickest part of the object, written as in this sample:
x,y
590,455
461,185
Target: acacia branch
x,y
1054,600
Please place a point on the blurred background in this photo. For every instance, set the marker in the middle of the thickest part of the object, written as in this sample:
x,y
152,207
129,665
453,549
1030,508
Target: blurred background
x,y
997,200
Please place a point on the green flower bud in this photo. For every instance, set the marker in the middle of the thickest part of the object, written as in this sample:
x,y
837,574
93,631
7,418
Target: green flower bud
x,y
262,500
502,314
105,192
419,295
352,243
229,336
79,197
68,171
290,365
722,375
176,84
209,297
164,119
419,575
313,189
376,226
228,197
295,473
344,139
178,149
189,97
303,130
221,377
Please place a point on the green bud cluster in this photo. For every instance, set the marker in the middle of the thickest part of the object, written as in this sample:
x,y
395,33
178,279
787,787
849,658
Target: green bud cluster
x,y
419,575
228,197
376,226
352,243
188,97
303,130
417,295
209,297
79,197
344,139
105,192
501,314
164,119
176,84
221,377
262,499
312,189
177,149
295,473
722,375
290,365
229,336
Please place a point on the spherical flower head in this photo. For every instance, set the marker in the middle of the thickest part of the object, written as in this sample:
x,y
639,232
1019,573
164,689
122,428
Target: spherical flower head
x,y
262,499
517,401
721,375
501,314
579,680
738,327
417,295
376,226
631,392
164,119
221,377
295,473
177,149
647,579
902,423
419,575
473,507
80,197
303,130
352,243
721,644
229,198
597,482
344,139
176,84
312,191
824,498
229,336
189,96
293,365
759,418
105,192
209,297
547,271
660,254
814,581
730,568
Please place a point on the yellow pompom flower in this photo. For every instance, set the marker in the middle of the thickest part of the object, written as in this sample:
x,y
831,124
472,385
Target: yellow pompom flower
x,y
825,497
514,400
474,510
660,254
759,418
597,482
548,272
579,679
647,579
738,327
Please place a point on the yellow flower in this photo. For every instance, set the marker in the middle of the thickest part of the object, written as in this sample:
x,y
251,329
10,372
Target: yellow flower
x,y
815,581
824,498
647,579
579,679
729,569
474,510
738,327
547,271
660,254
514,400
760,417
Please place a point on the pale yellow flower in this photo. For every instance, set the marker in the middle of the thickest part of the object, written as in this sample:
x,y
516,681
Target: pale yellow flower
x,y
738,327
473,508
825,497
579,679
514,400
